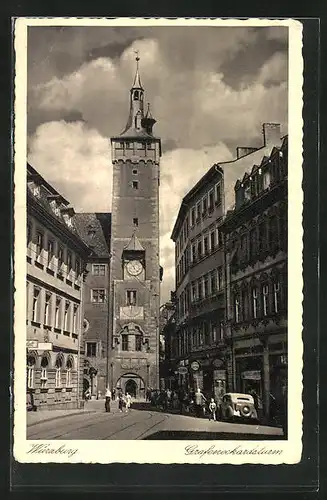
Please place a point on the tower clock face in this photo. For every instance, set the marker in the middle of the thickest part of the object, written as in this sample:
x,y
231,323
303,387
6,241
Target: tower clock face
x,y
134,267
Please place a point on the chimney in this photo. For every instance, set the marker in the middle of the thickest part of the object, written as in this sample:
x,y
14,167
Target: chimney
x,y
271,134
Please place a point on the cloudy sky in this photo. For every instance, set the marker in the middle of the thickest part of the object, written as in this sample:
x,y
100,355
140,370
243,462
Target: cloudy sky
x,y
210,89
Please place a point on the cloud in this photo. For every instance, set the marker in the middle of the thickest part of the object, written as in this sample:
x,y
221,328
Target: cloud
x,y
275,70
76,160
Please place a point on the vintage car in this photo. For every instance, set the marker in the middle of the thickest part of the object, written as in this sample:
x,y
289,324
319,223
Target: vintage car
x,y
236,405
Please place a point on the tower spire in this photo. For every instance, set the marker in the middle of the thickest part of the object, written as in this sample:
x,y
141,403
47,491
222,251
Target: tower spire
x,y
137,79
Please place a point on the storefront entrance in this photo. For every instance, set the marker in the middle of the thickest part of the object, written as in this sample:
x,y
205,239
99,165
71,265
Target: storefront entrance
x,y
131,387
133,384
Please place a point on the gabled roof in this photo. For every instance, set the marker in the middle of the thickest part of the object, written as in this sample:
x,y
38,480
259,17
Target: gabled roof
x,y
134,245
95,230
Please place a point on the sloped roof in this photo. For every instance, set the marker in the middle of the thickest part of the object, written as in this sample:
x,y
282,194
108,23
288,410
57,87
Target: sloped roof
x,y
95,230
134,244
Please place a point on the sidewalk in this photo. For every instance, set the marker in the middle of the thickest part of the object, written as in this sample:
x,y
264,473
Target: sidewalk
x,y
92,406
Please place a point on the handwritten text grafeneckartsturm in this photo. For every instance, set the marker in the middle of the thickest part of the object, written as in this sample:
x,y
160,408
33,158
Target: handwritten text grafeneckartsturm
x,y
195,450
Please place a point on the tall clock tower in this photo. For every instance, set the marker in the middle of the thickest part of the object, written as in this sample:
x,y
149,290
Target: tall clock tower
x,y
135,269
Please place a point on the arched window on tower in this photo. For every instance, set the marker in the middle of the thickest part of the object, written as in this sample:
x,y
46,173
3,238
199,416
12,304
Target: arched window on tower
x,y
136,95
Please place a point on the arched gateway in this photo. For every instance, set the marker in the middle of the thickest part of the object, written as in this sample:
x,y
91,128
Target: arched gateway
x,y
133,384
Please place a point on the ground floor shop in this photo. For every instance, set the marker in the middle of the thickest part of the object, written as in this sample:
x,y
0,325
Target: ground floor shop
x,y
53,379
261,368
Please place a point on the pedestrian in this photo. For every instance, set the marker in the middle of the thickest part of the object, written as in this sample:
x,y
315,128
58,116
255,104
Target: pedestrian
x,y
199,402
168,395
87,394
120,402
113,394
212,409
175,400
128,401
108,399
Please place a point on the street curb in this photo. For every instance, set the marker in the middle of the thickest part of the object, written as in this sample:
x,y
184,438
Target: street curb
x,y
62,416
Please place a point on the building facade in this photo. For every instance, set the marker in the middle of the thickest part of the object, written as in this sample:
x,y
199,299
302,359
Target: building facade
x,y
135,270
95,230
256,270
54,298
201,339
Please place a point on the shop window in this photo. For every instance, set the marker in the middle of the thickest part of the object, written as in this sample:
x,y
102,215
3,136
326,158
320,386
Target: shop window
x,y
44,372
69,367
58,372
31,372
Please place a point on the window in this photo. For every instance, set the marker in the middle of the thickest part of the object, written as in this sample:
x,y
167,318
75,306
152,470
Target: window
x,y
91,349
266,179
124,342
199,289
57,312
204,205
58,372
211,200
206,245
262,236
69,367
218,194
135,185
77,268
60,258
276,296
247,192
135,222
244,296
205,286
254,302
37,191
193,252
212,240
220,278
138,343
213,333
199,249
30,372
237,310
47,309
50,252
192,216
75,316
265,293
66,316
44,372
221,330
69,262
219,237
136,95
98,295
244,246
198,211
253,243
273,231
131,297
213,282
193,291
39,246
201,334
134,171
99,269
36,305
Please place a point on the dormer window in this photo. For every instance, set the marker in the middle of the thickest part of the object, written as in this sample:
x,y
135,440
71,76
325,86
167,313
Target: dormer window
x,y
55,207
37,191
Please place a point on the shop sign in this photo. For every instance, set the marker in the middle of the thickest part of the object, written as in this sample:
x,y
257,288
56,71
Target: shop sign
x,y
220,374
218,363
39,346
32,344
182,370
195,365
252,375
